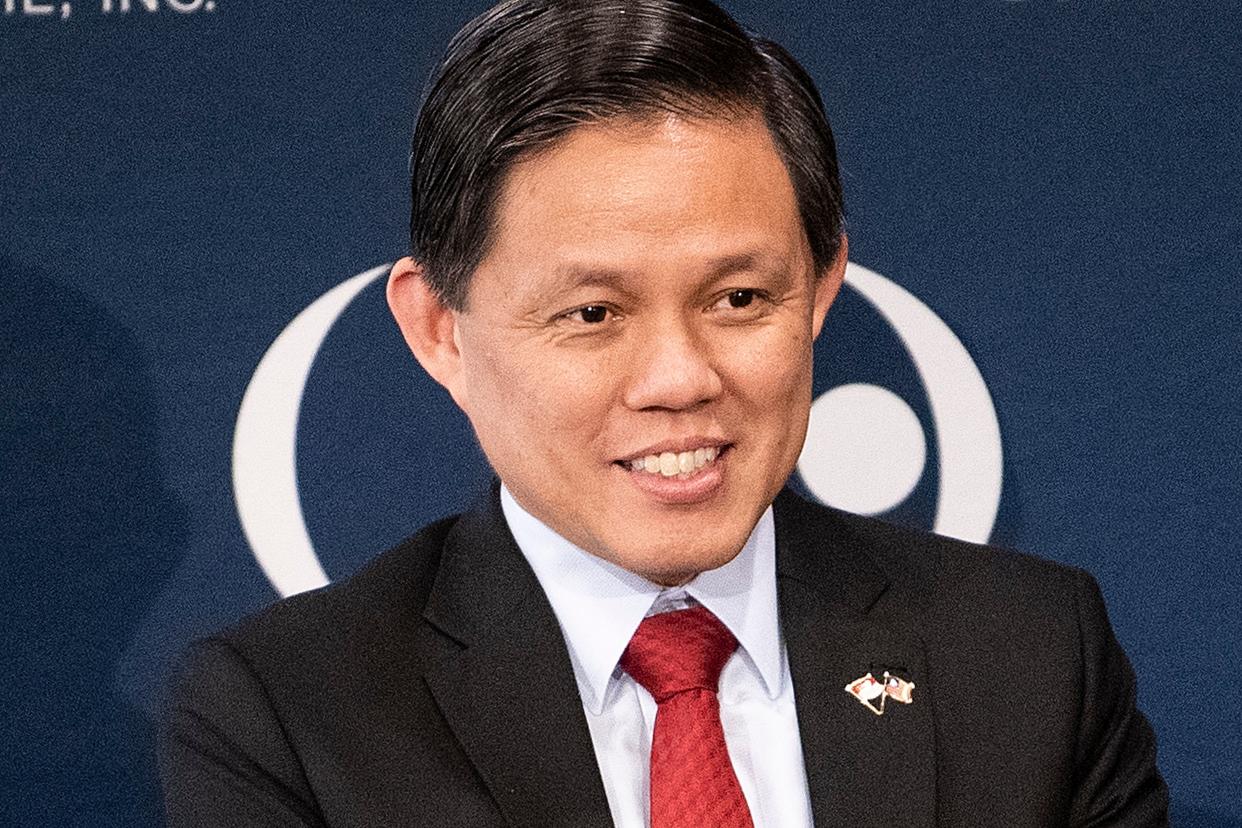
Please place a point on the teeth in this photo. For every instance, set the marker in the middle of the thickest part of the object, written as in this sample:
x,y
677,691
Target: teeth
x,y
672,464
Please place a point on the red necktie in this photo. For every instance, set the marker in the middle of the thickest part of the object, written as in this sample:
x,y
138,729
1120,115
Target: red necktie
x,y
678,657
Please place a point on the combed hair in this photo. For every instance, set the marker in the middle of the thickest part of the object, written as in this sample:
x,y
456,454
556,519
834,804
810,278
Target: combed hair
x,y
526,72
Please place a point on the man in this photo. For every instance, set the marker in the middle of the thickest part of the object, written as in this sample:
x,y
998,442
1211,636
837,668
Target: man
x,y
626,232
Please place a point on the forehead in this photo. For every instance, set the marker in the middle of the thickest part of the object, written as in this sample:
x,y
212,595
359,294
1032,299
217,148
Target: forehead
x,y
648,193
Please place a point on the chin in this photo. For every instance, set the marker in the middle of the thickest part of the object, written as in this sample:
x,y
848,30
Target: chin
x,y
676,562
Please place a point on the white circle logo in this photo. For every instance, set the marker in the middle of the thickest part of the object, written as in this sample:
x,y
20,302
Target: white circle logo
x,y
865,449
265,473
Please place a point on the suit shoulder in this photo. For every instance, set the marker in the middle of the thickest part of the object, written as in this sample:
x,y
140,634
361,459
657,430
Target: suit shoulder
x,y
390,590
928,569
899,546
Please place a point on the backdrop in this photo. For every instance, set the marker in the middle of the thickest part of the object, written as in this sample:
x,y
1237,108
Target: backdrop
x,y
205,405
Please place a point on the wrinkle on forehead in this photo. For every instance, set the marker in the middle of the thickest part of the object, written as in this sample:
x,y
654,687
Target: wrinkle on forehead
x,y
615,186
678,137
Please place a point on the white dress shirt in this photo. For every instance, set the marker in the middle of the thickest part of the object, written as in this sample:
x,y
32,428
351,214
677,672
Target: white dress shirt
x,y
599,606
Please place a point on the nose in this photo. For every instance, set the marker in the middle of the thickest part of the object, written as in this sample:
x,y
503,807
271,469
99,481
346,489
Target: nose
x,y
672,369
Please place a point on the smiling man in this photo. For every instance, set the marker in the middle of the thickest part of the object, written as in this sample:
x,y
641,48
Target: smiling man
x,y
634,350
626,233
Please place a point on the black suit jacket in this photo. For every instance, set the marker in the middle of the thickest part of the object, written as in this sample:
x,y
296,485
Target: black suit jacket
x,y
435,688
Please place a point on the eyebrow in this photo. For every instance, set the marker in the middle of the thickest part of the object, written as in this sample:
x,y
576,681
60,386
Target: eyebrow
x,y
576,276
748,261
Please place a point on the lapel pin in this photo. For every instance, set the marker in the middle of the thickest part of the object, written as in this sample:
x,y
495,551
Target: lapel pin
x,y
868,690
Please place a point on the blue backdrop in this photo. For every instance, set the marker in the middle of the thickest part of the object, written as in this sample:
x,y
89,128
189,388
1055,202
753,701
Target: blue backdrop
x,y
1059,181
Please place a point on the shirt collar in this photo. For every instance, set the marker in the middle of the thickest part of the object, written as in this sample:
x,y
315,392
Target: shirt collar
x,y
599,605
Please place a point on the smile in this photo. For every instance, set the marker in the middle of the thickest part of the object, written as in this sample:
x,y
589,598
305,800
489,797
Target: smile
x,y
674,464
679,472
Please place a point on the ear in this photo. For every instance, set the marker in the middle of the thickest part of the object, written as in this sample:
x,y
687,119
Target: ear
x,y
428,325
829,284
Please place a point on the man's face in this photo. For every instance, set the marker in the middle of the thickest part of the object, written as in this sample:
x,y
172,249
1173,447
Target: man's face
x,y
636,353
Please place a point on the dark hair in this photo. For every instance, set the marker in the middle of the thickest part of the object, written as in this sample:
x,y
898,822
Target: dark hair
x,y
526,72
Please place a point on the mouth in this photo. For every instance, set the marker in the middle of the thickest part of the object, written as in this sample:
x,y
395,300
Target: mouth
x,y
679,464
679,474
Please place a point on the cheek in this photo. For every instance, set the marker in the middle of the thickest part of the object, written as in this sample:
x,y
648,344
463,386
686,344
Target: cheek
x,y
517,388
771,370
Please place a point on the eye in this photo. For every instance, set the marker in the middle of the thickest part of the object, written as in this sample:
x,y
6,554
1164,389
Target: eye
x,y
589,314
742,303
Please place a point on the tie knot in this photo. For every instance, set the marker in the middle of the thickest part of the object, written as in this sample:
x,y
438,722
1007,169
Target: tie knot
x,y
677,651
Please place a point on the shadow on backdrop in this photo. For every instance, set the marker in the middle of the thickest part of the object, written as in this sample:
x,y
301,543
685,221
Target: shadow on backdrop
x,y
90,532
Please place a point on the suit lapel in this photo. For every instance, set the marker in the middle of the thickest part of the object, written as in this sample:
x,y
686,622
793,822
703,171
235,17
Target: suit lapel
x,y
499,670
862,768
503,680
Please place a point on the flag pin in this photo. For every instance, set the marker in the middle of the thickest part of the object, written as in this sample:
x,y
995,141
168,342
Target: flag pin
x,y
869,690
